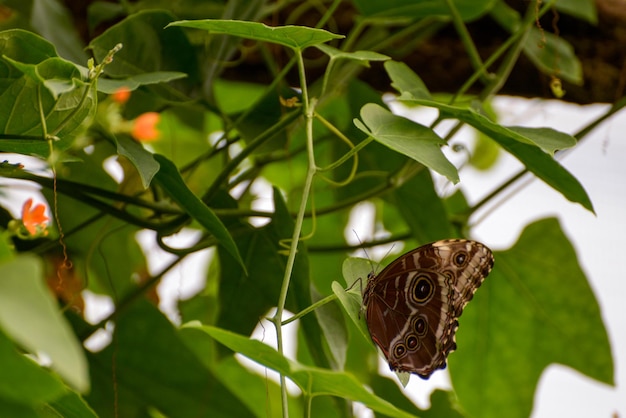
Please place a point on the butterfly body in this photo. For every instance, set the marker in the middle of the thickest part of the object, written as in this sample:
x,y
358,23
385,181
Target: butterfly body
x,y
412,306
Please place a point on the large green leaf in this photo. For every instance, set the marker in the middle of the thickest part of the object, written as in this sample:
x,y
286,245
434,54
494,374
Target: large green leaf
x,y
26,47
54,22
13,409
71,405
312,380
294,37
35,82
154,369
251,388
147,47
169,178
28,314
406,137
536,308
244,298
24,381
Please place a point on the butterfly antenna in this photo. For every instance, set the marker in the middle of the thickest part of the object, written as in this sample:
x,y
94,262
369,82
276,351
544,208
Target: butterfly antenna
x,y
389,251
360,279
364,250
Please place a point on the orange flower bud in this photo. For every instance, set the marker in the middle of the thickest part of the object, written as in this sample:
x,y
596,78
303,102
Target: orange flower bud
x,y
121,95
144,127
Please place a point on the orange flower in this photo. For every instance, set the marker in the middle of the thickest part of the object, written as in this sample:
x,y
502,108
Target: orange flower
x,y
144,127
35,219
121,95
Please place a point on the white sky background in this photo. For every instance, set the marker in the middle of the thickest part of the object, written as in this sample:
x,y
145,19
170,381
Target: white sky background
x,y
599,163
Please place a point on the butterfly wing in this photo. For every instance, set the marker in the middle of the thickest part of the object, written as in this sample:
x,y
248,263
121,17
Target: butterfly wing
x,y
414,303
404,327
466,264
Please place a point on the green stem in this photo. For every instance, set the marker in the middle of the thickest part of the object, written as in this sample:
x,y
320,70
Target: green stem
x,y
88,86
254,144
353,151
73,190
372,192
295,238
309,309
488,63
467,41
12,138
343,248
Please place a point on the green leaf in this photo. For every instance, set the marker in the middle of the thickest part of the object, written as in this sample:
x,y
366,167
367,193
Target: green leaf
x,y
26,47
152,368
158,50
143,160
12,409
311,380
548,170
110,86
251,388
355,272
352,303
548,139
581,9
259,289
7,249
365,56
71,405
169,178
24,381
529,313
518,145
404,79
64,101
55,22
406,137
294,37
551,54
554,56
485,153
28,314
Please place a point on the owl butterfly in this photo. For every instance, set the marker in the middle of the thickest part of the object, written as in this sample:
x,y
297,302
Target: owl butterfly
x,y
412,306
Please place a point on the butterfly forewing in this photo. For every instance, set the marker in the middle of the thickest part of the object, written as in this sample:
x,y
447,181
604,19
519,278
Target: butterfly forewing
x,y
412,306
